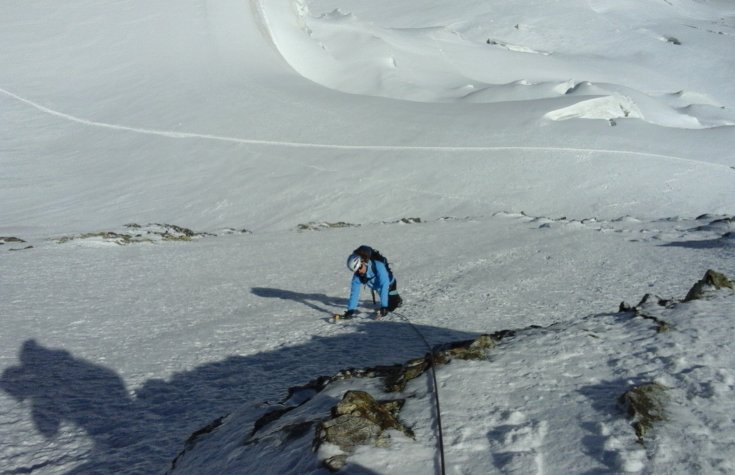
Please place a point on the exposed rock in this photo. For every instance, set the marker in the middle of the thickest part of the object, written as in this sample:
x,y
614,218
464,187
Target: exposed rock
x,y
171,232
464,350
646,405
269,417
363,419
4,240
20,248
405,221
712,280
194,438
661,302
336,463
8,240
396,381
235,231
135,233
648,300
285,433
722,224
470,349
297,396
117,238
358,419
322,225
395,376
294,431
314,226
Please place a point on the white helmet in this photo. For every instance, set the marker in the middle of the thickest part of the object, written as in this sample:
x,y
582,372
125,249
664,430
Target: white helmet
x,y
354,262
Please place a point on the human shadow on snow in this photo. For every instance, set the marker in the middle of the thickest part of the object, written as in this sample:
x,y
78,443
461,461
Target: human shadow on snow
x,y
142,432
310,300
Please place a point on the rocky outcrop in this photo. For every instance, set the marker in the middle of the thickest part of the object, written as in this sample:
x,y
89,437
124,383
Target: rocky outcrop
x,y
14,240
371,417
135,234
649,299
194,438
131,234
712,280
470,349
405,221
358,419
718,224
318,226
646,405
395,381
4,240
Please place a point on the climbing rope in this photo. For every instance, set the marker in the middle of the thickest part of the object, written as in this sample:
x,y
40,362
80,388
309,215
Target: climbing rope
x,y
440,435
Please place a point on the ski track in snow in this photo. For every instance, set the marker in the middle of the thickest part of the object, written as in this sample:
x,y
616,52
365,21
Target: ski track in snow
x,y
379,148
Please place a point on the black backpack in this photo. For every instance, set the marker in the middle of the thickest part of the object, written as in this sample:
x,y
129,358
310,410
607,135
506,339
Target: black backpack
x,y
370,254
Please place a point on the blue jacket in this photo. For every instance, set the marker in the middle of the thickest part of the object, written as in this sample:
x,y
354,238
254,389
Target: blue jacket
x,y
377,278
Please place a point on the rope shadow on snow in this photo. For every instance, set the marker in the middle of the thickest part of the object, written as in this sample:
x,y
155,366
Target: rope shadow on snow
x,y
142,432
306,299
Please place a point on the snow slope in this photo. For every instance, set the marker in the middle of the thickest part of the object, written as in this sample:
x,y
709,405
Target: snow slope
x,y
541,403
204,84
557,156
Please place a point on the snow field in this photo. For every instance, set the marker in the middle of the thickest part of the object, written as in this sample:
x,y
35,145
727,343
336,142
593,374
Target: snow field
x,y
557,156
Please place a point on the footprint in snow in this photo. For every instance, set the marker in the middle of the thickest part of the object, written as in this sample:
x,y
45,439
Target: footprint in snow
x,y
515,445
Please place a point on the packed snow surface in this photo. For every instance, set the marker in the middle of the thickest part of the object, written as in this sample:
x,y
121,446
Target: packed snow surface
x,y
181,182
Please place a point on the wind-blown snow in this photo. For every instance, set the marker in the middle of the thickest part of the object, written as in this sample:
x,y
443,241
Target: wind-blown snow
x,y
558,156
495,52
